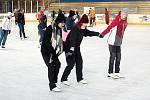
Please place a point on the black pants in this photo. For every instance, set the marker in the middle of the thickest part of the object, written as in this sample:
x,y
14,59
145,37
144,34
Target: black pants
x,y
75,59
53,69
115,56
21,30
91,21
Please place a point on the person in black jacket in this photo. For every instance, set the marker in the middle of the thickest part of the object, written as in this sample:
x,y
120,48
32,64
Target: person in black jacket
x,y
51,48
21,22
73,54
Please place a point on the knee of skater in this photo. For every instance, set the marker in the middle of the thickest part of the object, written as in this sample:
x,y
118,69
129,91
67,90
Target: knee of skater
x,y
70,67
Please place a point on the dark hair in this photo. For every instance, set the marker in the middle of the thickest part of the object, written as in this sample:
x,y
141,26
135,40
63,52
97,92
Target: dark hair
x,y
60,18
71,13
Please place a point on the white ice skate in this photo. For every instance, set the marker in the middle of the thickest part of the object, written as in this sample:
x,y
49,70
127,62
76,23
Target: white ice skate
x,y
56,89
113,76
83,82
118,75
58,86
66,83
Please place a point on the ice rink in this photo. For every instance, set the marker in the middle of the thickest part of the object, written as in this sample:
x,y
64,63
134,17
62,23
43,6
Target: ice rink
x,y
23,74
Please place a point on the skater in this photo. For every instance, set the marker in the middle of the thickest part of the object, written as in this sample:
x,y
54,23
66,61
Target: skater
x,y
21,22
106,16
94,21
91,16
51,48
16,11
77,14
6,28
39,15
73,54
42,27
70,21
53,15
116,29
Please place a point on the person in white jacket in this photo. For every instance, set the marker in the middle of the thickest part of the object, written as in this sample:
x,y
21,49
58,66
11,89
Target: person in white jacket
x,y
6,29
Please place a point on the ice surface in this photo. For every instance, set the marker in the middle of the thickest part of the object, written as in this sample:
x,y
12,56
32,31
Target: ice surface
x,y
23,74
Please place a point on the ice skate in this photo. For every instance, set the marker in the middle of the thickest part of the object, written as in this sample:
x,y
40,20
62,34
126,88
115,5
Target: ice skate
x,y
3,46
113,76
66,83
83,82
118,75
56,89
58,86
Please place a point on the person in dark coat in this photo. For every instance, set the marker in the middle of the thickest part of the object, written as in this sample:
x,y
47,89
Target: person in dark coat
x,y
21,22
73,54
51,48
70,21
53,15
106,16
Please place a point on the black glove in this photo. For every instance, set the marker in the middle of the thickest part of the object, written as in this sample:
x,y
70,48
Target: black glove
x,y
70,52
16,22
101,36
9,31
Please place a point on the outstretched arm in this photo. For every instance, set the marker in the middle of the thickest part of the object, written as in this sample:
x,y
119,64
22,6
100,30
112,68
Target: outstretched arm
x,y
91,33
113,24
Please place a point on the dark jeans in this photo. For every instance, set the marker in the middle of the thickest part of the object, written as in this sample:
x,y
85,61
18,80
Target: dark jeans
x,y
3,36
40,33
91,21
53,69
21,30
115,56
75,59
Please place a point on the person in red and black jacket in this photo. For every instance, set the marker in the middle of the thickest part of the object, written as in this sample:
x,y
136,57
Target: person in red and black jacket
x,y
106,16
116,30
73,54
42,26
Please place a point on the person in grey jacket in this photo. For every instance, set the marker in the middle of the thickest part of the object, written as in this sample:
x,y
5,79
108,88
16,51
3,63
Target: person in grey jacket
x,y
116,32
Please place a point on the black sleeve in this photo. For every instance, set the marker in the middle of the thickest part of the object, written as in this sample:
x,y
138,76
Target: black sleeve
x,y
73,37
18,17
46,46
23,19
91,33
68,24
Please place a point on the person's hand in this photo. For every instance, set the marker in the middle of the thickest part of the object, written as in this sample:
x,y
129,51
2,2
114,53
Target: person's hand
x,y
101,36
44,29
9,31
70,52
16,23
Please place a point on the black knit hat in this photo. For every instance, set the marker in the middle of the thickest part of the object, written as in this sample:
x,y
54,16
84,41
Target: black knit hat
x,y
71,13
60,18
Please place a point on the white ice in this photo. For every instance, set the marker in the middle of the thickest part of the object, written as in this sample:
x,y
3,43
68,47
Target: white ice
x,y
23,74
